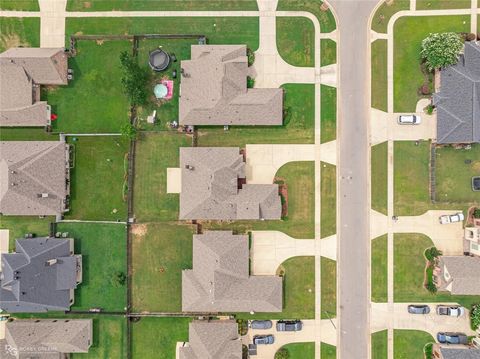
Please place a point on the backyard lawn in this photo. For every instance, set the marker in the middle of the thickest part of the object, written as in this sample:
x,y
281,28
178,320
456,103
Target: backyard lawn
x,y
328,223
380,345
385,12
328,282
408,35
328,351
408,344
443,4
158,337
16,31
301,350
20,5
97,180
20,225
26,134
164,5
160,251
379,269
328,52
328,109
325,18
379,75
296,41
379,187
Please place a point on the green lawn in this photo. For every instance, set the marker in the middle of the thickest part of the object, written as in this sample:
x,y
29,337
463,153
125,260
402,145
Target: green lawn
x,y
325,18
154,153
298,126
408,344
158,337
379,269
164,5
379,184
328,224
16,32
379,75
26,134
296,40
408,35
328,52
160,251
20,225
328,109
97,179
328,282
301,350
380,345
443,4
328,351
385,12
21,5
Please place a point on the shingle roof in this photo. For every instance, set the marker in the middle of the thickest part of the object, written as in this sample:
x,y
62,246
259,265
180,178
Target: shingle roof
x,y
460,353
29,169
458,102
39,276
220,280
214,90
464,272
210,187
217,339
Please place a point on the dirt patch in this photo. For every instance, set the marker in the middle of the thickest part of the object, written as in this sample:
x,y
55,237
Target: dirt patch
x,y
139,230
78,33
87,4
476,166
12,40
100,42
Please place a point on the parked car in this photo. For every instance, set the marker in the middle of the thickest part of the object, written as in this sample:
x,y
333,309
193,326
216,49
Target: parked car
x,y
263,339
409,120
418,309
450,310
452,338
261,324
451,218
289,325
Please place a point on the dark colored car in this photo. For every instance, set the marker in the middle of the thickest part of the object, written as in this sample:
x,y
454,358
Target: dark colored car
x,y
452,338
289,325
418,309
263,339
261,324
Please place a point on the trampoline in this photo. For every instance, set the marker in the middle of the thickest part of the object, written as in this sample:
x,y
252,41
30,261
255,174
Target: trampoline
x,y
476,183
159,60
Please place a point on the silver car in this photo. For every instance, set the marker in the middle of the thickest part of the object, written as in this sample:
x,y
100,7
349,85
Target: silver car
x,y
261,324
409,120
418,309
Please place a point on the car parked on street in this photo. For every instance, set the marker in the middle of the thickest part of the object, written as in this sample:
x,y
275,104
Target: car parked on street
x,y
418,309
260,324
289,325
409,120
451,218
452,338
263,339
451,310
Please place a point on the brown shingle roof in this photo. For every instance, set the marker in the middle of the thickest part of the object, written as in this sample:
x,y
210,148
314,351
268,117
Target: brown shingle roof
x,y
464,274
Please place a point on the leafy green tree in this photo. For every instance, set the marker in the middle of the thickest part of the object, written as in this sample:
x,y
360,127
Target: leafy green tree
x,y
432,253
441,50
129,131
134,79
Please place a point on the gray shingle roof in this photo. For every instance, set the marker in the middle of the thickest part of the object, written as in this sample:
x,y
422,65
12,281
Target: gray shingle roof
x,y
460,353
28,171
217,339
464,272
40,275
220,280
214,90
210,187
458,102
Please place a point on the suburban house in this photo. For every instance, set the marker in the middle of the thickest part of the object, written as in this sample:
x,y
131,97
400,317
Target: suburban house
x,y
34,178
220,280
213,90
40,276
459,275
213,186
22,72
211,340
46,338
451,352
458,101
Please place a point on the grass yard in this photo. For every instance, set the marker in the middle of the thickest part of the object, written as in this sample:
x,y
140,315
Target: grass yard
x,y
379,269
20,5
301,350
379,95
16,31
96,190
328,221
408,344
328,351
164,5
380,345
443,4
385,12
328,51
408,35
454,175
298,125
379,187
26,134
160,251
104,253
325,18
154,153
328,109
158,337
329,288
19,225
296,41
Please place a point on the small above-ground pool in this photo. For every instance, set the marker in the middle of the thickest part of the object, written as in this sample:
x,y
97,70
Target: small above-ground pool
x,y
160,91
159,60
476,183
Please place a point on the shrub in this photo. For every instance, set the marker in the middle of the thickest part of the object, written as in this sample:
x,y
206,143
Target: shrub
x,y
129,131
475,317
425,89
432,253
282,353
250,82
470,37
250,56
431,287
134,80
476,213
428,350
441,49
429,109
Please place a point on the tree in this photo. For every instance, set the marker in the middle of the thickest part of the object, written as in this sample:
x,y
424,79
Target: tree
x,y
282,353
432,253
134,80
130,131
441,49
475,317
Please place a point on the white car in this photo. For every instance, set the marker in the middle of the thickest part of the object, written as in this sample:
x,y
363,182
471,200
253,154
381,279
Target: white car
x,y
451,218
409,120
450,310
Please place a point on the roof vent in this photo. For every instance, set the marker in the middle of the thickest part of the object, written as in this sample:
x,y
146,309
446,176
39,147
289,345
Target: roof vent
x,y
51,262
42,195
189,167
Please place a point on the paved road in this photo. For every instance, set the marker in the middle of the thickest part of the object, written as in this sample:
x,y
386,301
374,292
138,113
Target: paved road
x,y
353,228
